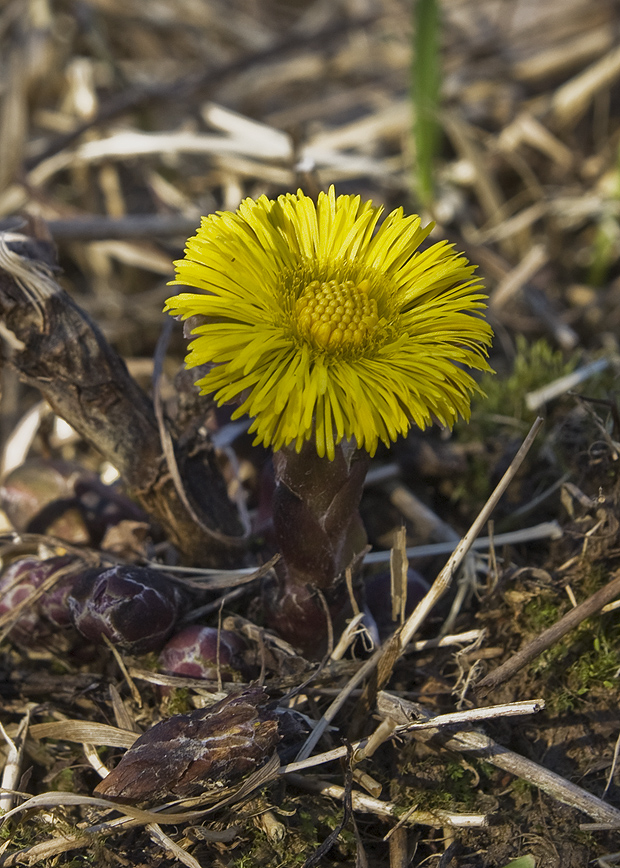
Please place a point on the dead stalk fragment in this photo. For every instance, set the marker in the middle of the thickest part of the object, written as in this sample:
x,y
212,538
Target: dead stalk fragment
x,y
387,810
184,755
67,358
12,770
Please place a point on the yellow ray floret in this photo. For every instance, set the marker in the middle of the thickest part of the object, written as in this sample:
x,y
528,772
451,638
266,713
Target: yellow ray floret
x,y
321,325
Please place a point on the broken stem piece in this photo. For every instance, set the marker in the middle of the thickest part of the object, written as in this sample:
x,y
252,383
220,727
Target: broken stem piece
x,y
57,349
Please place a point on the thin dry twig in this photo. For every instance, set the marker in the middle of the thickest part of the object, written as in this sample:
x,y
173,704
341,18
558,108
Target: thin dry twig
x,y
553,784
445,720
443,580
549,637
544,530
387,810
386,656
12,770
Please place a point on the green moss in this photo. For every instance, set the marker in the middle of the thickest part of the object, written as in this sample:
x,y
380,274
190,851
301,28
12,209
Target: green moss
x,y
592,669
178,702
22,834
435,783
585,660
245,861
534,366
307,827
501,416
539,614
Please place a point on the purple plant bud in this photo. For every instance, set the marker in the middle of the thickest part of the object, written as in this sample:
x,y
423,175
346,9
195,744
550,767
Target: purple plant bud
x,y
297,615
16,585
20,581
54,604
185,754
194,653
135,607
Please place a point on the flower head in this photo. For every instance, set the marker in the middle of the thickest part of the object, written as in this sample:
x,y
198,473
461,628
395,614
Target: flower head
x,y
322,325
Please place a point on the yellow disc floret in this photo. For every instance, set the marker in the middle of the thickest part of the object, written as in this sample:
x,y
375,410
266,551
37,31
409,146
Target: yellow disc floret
x,y
336,315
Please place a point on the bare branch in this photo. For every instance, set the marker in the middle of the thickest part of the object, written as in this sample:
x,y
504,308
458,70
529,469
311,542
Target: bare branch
x,y
61,352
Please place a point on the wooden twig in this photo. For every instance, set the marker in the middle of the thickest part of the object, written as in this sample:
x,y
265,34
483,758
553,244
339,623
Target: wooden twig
x,y
547,638
12,770
61,352
101,227
554,785
396,710
544,530
444,579
387,810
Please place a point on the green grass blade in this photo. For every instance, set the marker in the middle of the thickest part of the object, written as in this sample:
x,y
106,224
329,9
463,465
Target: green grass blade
x,y
425,89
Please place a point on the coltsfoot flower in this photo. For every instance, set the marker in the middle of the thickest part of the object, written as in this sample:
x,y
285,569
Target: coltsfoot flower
x,y
323,326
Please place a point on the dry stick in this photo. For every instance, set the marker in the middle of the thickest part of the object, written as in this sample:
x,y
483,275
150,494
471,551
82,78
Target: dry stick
x,y
544,530
387,810
388,653
95,228
400,724
549,637
61,352
554,785
98,227
12,766
444,579
551,783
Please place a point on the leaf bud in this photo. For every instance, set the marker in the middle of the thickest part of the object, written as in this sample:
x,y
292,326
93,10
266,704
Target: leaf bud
x,y
20,581
135,607
194,653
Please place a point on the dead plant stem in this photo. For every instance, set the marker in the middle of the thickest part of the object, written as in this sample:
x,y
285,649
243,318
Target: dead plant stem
x,y
549,637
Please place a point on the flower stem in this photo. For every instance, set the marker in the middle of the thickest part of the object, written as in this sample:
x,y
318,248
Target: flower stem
x,y
320,533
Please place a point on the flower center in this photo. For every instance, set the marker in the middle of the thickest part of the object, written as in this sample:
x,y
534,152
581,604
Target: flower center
x,y
336,315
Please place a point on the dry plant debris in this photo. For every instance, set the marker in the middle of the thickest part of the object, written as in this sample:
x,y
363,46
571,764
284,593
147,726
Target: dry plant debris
x,y
475,722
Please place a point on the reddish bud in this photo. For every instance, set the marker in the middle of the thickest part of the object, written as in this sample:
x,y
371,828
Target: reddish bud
x,y
20,581
194,653
136,608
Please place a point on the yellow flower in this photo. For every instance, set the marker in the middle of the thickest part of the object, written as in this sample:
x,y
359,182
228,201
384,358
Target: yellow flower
x,y
324,326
